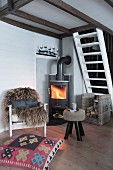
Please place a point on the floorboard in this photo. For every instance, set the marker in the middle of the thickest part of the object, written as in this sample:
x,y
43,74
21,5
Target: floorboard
x,y
95,152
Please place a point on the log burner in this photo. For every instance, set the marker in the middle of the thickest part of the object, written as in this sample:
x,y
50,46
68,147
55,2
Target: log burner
x,y
59,90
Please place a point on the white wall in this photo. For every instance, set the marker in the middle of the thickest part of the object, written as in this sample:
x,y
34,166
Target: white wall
x,y
43,69
21,67
18,64
45,65
77,84
16,61
3,2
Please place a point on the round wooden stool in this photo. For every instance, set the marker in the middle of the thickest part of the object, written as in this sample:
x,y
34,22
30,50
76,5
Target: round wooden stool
x,y
77,117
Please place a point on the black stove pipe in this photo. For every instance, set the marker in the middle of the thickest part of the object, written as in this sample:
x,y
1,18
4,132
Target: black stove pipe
x,y
63,60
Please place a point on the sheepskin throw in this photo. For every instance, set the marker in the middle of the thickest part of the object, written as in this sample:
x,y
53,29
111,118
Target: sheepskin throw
x,y
26,105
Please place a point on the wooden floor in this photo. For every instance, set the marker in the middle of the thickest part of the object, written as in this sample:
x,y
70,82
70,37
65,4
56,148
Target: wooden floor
x,y
95,152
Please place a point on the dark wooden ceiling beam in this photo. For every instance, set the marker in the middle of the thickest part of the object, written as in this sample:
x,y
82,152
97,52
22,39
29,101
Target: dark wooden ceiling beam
x,y
16,5
110,2
81,28
10,5
30,28
39,20
75,12
77,29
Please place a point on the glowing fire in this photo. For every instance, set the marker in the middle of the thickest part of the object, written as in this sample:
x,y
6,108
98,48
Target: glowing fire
x,y
58,93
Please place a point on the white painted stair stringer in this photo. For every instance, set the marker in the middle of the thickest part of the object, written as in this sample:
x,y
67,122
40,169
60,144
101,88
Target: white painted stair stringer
x,y
82,60
105,62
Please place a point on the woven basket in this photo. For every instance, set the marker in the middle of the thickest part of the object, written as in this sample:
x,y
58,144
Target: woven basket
x,y
104,108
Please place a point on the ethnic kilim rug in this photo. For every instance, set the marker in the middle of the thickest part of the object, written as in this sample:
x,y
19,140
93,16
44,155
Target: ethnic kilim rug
x,y
29,151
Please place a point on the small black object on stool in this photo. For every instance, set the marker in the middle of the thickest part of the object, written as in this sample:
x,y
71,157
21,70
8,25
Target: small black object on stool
x,y
75,117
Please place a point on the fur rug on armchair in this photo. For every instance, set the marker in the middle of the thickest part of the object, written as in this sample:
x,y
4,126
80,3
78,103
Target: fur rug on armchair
x,y
31,115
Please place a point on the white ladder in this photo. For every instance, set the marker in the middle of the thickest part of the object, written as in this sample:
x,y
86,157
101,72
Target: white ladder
x,y
101,78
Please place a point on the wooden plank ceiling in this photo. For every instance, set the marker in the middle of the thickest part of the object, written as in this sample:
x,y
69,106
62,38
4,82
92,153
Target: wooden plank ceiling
x,y
55,18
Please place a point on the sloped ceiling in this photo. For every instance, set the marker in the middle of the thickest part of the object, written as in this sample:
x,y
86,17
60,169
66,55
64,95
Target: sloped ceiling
x,y
59,18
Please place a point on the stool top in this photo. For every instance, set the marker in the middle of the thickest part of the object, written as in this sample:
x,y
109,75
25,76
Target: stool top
x,y
74,116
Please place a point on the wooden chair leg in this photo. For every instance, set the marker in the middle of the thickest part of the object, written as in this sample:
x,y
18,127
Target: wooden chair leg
x,y
81,129
67,130
77,128
71,127
44,129
10,120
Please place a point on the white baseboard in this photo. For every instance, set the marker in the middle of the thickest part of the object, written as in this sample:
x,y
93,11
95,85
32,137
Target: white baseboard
x,y
4,129
20,126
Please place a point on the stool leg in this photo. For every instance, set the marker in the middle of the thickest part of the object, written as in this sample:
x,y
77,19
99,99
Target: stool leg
x,y
77,128
81,129
71,127
67,130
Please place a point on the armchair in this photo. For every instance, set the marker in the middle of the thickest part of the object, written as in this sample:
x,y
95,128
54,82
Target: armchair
x,y
98,110
24,109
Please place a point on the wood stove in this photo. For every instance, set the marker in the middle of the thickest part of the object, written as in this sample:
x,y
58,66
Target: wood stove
x,y
59,90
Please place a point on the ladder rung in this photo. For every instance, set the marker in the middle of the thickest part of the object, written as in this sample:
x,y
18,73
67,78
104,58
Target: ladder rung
x,y
93,62
95,71
98,87
93,34
98,94
92,53
98,79
89,44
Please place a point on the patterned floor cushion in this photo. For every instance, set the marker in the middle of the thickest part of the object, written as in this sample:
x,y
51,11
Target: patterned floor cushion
x,y
29,151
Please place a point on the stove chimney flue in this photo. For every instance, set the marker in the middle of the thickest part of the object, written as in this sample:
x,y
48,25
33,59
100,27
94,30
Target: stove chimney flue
x,y
63,60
